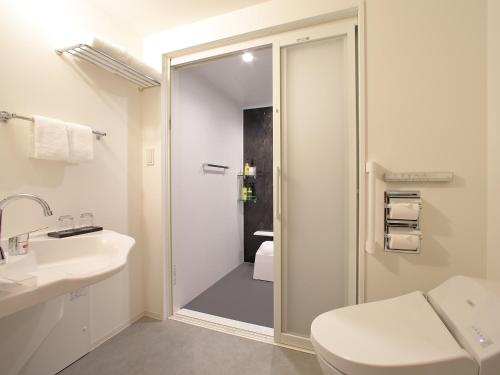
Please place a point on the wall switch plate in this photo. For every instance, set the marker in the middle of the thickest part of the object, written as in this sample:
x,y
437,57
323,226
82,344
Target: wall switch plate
x,y
150,157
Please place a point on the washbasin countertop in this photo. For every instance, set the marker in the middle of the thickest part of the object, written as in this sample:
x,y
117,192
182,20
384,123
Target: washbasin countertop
x,y
55,266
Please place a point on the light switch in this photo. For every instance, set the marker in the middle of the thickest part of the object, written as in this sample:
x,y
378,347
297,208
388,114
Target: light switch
x,y
150,157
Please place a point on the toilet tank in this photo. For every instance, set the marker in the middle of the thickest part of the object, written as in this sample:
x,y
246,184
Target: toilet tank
x,y
470,308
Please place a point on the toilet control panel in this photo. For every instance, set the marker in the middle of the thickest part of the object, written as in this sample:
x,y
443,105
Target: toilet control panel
x,y
483,340
470,308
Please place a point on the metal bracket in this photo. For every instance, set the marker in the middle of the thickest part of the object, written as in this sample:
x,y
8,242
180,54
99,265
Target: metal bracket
x,y
6,116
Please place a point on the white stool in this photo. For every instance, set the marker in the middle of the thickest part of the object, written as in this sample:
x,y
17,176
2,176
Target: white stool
x,y
264,262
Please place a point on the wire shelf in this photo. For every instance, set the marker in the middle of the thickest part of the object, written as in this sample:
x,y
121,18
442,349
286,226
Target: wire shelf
x,y
105,61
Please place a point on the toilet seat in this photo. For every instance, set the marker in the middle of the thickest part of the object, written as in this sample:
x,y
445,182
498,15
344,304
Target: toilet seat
x,y
399,336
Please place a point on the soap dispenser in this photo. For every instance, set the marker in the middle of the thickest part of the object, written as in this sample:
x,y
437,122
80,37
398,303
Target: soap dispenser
x,y
247,169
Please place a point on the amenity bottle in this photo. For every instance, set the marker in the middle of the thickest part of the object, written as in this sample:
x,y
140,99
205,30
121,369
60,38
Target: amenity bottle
x,y
252,170
254,193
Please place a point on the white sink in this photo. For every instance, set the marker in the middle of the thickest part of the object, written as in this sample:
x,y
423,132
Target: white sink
x,y
54,267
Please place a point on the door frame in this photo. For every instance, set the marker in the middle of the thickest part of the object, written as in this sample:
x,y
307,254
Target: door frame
x,y
234,45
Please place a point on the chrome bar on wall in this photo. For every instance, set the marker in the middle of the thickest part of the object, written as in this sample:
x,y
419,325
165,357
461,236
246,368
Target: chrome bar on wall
x,y
6,116
215,166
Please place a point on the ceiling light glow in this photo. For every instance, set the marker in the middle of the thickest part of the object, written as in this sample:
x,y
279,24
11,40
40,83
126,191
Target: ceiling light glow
x,y
247,57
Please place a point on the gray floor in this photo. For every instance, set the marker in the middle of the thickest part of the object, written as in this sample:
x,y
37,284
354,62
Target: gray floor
x,y
171,348
238,296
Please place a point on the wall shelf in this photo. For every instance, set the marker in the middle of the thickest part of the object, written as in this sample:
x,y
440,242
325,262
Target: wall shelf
x,y
418,176
114,60
264,233
253,200
245,177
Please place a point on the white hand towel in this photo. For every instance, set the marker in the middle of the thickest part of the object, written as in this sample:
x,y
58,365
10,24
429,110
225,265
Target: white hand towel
x,y
81,145
50,139
121,55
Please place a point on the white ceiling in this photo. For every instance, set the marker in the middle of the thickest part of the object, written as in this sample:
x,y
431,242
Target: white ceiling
x,y
146,17
249,84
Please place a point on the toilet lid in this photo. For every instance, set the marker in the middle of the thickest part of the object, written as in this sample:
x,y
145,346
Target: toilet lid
x,y
402,336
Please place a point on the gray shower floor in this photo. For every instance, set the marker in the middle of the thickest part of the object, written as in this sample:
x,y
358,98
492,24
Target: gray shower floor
x,y
238,296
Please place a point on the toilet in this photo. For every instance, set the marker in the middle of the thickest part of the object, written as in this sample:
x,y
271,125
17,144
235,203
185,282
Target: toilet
x,y
452,330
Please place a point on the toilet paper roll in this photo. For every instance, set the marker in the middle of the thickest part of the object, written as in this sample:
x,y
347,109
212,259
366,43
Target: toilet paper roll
x,y
404,241
404,211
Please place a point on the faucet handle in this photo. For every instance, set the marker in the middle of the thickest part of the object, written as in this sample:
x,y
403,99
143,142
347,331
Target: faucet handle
x,y
18,245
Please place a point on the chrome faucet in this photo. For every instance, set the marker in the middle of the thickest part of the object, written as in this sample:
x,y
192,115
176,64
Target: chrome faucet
x,y
4,202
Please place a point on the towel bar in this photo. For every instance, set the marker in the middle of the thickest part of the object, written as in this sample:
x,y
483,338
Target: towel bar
x,y
215,166
6,116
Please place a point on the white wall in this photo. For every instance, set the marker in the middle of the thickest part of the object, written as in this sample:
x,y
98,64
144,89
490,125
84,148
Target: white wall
x,y
265,16
493,139
207,225
426,82
34,80
151,209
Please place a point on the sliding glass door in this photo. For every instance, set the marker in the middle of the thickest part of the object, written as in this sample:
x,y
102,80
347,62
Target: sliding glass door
x,y
314,172
316,178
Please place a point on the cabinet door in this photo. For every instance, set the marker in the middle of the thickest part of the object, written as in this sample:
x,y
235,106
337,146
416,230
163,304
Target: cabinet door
x,y
317,180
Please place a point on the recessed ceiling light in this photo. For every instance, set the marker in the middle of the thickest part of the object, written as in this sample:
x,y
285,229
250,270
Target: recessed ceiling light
x,y
247,57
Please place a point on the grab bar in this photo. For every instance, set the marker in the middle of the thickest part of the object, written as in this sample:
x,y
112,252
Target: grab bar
x,y
215,166
373,170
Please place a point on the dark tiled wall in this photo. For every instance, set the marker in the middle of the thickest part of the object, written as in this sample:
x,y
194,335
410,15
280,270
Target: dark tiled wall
x,y
258,145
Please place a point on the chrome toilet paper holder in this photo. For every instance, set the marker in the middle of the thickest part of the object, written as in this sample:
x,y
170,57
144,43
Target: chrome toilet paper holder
x,y
410,227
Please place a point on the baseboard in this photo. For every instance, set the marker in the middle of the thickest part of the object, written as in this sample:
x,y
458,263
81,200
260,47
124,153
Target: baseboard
x,y
116,331
153,315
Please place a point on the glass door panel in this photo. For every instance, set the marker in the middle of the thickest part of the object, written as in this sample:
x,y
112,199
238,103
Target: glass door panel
x,y
315,181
